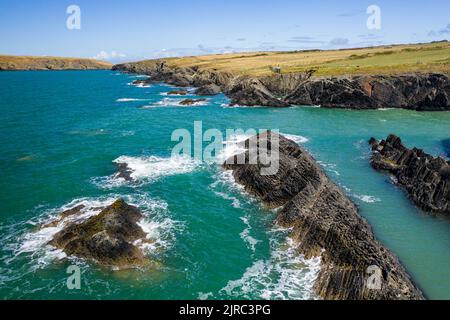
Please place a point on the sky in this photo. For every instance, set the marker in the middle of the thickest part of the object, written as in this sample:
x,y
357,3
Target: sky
x,y
119,30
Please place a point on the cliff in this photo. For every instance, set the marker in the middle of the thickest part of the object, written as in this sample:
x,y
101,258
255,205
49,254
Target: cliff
x,y
421,92
324,223
14,63
425,178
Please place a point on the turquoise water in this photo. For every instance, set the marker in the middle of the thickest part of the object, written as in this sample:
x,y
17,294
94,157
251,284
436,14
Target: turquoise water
x,y
61,131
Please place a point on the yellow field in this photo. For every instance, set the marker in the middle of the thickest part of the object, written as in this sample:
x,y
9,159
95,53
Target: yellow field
x,y
49,63
430,57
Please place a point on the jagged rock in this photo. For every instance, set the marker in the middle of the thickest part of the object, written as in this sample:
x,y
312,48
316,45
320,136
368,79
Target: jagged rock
x,y
124,172
177,93
143,82
107,238
421,92
324,222
418,92
251,92
425,178
208,90
190,102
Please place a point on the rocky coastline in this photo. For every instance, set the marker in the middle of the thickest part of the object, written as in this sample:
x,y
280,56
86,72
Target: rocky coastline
x,y
421,92
324,223
425,178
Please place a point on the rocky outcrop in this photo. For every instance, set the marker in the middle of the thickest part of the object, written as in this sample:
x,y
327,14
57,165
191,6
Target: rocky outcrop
x,y
421,92
418,92
177,93
208,90
191,102
107,238
324,223
425,178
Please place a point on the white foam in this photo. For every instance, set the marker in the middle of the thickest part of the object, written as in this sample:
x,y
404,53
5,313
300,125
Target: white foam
x,y
129,99
139,85
205,296
329,167
152,167
245,235
296,138
232,146
171,102
235,201
285,275
367,198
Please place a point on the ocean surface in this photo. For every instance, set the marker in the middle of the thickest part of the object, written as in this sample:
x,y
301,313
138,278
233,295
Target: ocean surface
x,y
62,132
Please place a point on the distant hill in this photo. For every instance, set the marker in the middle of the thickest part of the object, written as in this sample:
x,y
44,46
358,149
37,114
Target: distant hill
x,y
381,60
10,63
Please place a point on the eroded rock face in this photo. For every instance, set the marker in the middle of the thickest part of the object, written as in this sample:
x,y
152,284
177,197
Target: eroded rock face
x,y
208,90
421,92
326,223
425,178
107,238
418,92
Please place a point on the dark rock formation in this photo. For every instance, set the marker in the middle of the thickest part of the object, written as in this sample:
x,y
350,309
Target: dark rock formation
x,y
208,90
106,238
421,92
124,172
143,82
425,178
324,222
177,93
251,92
417,92
191,102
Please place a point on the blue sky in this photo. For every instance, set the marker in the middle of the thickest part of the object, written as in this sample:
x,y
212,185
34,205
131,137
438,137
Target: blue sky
x,y
136,29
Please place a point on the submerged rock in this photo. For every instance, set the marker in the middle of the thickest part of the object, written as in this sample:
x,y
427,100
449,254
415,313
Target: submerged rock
x,y
190,102
143,82
177,93
106,238
425,178
324,223
124,172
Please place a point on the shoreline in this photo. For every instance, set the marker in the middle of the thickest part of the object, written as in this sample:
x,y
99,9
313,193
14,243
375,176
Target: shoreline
x,y
420,92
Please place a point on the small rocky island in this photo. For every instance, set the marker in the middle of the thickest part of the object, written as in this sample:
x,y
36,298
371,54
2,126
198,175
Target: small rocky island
x,y
425,178
324,222
108,238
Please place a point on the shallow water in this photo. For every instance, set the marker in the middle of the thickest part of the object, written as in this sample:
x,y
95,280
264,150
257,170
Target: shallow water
x,y
61,132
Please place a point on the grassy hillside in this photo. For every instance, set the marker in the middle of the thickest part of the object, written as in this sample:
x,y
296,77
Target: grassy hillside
x,y
50,63
430,57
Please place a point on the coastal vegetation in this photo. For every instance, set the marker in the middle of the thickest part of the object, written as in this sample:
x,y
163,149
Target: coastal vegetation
x,y
381,60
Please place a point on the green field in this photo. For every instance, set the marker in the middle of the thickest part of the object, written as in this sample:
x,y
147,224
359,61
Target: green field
x,y
396,59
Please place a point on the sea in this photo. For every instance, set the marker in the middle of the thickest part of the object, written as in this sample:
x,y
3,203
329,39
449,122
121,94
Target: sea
x,y
63,133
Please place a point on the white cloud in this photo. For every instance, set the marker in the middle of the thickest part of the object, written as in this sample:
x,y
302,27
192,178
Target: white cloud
x,y
113,55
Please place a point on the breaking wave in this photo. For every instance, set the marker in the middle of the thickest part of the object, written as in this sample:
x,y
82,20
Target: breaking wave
x,y
286,275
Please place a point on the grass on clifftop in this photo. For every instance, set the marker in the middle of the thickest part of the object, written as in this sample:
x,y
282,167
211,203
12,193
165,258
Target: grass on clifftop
x,y
50,63
383,60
